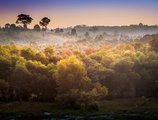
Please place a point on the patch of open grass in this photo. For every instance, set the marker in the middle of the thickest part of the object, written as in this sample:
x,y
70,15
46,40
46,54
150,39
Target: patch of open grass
x,y
118,105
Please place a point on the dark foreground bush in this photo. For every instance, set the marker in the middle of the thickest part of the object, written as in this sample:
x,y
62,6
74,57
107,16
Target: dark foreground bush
x,y
67,101
93,106
77,101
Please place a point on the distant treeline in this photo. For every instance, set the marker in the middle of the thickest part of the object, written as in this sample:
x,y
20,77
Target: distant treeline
x,y
25,20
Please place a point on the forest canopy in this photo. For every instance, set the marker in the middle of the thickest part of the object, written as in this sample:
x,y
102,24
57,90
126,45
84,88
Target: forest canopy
x,y
127,70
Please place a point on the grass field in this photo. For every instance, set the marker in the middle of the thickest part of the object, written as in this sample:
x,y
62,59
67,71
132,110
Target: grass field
x,y
118,108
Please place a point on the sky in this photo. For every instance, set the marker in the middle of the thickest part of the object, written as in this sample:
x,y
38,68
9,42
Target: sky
x,y
65,13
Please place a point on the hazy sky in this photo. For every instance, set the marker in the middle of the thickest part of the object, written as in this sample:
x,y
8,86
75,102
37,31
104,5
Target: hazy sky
x,y
64,13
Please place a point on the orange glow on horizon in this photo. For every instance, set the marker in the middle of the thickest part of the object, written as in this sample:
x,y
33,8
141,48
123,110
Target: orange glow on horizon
x,y
88,16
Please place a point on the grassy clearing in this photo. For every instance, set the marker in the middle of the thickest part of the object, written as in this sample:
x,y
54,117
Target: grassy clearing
x,y
118,105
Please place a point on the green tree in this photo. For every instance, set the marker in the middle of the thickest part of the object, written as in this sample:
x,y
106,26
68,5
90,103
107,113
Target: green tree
x,y
41,57
43,83
122,65
4,87
20,81
28,53
70,74
5,67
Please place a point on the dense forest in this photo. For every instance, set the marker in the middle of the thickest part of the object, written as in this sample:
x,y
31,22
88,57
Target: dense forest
x,y
73,78
78,60
79,73
105,72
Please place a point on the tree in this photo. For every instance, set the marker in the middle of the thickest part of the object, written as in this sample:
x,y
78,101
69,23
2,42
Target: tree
x,y
99,38
70,74
49,51
20,81
4,86
24,19
93,29
36,28
140,24
5,67
95,71
7,26
59,30
43,85
122,65
73,31
44,23
28,54
125,47
87,35
41,57
13,27
154,44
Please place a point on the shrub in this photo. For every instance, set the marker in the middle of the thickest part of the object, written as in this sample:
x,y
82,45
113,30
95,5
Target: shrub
x,y
93,106
67,101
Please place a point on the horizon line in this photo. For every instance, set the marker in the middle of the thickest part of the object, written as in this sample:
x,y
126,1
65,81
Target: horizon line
x,y
121,25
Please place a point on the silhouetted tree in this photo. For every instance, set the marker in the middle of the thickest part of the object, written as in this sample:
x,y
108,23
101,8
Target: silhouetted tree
x,y
57,30
44,23
140,24
19,27
61,30
7,26
13,27
36,28
24,19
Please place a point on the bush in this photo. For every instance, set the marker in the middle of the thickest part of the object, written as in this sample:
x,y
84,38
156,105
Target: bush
x,y
93,106
67,101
